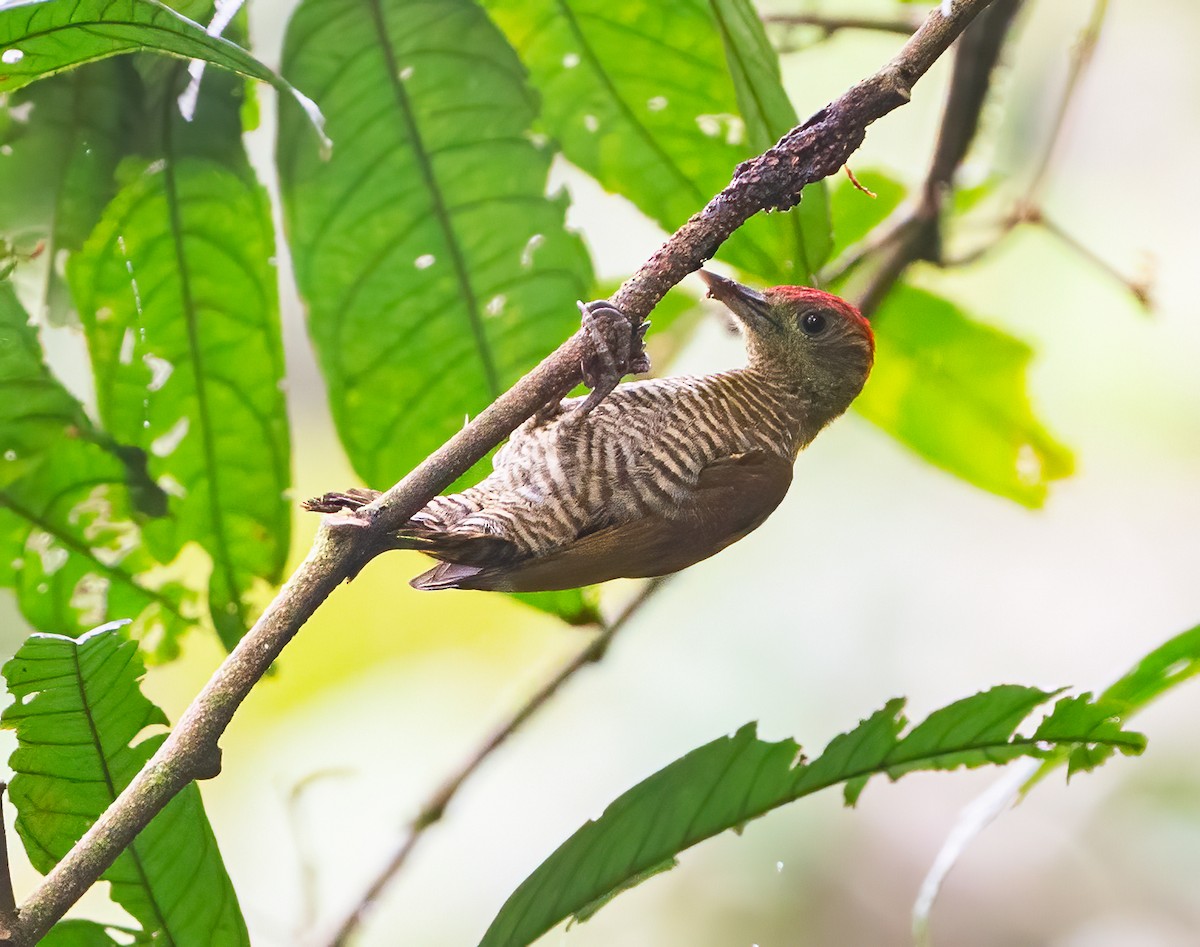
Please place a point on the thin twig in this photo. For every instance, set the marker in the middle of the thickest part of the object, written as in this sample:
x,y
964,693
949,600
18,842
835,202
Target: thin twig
x,y
1081,58
881,236
832,24
858,185
772,181
435,806
1138,288
1029,214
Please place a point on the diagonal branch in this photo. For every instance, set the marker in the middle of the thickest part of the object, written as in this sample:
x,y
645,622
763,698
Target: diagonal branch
x,y
771,181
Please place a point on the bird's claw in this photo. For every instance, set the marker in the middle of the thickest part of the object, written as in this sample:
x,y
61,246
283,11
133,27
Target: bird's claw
x,y
348,502
616,348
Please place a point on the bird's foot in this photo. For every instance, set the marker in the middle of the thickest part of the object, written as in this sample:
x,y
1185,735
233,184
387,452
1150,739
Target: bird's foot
x,y
550,411
616,348
353,499
343,518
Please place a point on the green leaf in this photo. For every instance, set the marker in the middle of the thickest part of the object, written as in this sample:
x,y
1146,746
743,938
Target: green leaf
x,y
1101,720
574,606
40,38
61,141
734,779
214,132
1167,666
856,214
179,301
639,96
435,270
35,410
588,910
859,752
769,114
72,551
978,726
966,199
954,391
75,933
78,715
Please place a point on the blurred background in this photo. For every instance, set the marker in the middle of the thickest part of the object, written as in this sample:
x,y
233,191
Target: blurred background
x,y
879,576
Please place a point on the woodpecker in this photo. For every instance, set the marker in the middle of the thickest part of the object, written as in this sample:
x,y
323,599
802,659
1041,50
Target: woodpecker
x,y
660,473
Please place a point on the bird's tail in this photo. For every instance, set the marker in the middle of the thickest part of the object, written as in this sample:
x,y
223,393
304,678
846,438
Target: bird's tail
x,y
464,556
464,553
445,575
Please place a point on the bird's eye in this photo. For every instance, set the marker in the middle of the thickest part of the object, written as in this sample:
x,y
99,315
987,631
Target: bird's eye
x,y
813,322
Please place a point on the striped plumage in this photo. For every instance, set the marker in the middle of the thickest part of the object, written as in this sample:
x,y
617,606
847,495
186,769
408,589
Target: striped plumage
x,y
660,474
636,454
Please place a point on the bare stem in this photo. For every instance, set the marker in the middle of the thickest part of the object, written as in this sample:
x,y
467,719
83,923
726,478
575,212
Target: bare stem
x,y
434,807
1138,288
772,181
1081,58
832,24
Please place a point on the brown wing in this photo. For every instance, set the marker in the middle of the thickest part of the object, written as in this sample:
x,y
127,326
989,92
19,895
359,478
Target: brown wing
x,y
734,495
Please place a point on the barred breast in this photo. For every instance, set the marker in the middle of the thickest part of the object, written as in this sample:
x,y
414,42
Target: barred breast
x,y
637,453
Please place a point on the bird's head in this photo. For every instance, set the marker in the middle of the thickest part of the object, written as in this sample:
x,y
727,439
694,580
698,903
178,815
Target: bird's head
x,y
815,342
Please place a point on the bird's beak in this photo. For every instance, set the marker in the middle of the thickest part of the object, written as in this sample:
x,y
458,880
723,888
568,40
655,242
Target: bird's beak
x,y
749,305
